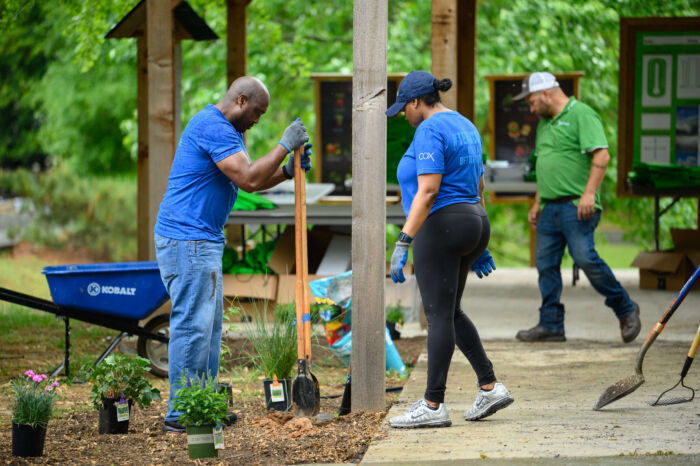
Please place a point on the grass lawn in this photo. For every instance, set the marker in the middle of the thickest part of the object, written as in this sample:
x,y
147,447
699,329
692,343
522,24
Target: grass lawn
x,y
36,330
617,255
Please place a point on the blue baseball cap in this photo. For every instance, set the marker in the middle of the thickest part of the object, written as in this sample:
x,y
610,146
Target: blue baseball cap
x,y
415,84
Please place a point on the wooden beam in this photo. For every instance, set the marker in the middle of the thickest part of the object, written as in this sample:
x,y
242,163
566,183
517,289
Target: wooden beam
x,y
143,237
370,19
236,36
466,57
161,105
444,46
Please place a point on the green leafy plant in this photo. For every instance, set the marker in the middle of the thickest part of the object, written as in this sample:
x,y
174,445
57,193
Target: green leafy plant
x,y
122,375
34,396
200,401
394,313
275,343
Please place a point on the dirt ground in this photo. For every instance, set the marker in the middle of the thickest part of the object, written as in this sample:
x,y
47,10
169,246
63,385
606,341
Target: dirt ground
x,y
259,437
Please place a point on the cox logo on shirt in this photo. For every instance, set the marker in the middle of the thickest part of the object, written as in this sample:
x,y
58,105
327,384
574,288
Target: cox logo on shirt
x,y
95,289
426,156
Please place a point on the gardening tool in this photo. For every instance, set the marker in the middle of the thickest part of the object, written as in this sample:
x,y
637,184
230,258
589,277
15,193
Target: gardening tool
x,y
305,390
626,386
686,367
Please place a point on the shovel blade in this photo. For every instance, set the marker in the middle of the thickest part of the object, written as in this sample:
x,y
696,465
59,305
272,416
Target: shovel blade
x,y
619,389
306,394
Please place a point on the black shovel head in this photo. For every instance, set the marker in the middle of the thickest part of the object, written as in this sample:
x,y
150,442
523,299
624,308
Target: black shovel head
x,y
619,389
305,391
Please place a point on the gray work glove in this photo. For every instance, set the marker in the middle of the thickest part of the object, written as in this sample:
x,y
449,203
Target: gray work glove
x,y
294,136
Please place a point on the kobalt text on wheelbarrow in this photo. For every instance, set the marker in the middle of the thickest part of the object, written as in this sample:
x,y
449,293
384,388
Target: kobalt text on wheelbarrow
x,y
112,295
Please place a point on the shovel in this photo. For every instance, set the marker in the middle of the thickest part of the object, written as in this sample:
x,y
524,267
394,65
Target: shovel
x,y
305,390
626,386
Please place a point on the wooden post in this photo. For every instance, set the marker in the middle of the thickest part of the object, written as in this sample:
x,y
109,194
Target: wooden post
x,y
466,57
237,49
161,105
370,19
444,46
144,237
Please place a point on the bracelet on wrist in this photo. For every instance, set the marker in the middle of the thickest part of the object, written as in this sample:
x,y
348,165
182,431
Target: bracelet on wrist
x,y
285,147
404,238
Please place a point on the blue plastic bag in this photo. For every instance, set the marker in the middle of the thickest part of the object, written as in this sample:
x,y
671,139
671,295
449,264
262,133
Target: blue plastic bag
x,y
343,348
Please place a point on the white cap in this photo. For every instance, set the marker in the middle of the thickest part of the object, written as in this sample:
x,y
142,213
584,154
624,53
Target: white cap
x,y
536,82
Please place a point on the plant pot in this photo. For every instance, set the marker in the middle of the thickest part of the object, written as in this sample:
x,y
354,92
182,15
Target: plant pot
x,y
200,441
28,440
282,399
225,387
108,418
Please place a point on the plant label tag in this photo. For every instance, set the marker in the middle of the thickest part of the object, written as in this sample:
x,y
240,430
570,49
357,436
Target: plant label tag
x,y
122,411
218,437
276,392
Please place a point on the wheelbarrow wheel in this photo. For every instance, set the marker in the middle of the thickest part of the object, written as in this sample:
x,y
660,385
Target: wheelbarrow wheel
x,y
154,350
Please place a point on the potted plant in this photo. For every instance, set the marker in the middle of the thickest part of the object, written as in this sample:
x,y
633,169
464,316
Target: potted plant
x,y
203,408
32,406
275,355
117,383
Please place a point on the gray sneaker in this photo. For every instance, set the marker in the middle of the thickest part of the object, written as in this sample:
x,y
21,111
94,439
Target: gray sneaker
x,y
420,415
487,403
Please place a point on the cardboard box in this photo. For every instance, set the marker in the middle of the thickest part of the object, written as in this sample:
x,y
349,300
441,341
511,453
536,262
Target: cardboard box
x,y
250,285
283,262
670,270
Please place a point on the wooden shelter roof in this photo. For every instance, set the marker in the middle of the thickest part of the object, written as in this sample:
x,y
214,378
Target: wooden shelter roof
x,y
188,24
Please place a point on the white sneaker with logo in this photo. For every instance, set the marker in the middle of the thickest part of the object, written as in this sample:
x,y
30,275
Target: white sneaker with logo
x,y
421,415
488,402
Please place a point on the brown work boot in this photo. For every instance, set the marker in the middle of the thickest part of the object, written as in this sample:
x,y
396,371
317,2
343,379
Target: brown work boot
x,y
538,333
630,325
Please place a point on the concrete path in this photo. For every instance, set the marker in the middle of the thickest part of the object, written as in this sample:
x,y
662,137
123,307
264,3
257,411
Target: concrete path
x,y
556,384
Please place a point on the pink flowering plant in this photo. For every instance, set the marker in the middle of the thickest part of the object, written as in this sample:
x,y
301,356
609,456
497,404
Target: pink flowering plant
x,y
34,396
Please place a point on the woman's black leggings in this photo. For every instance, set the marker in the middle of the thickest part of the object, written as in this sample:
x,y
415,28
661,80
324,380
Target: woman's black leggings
x,y
447,244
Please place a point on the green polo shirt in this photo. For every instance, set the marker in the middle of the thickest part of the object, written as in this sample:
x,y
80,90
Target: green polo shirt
x,y
564,148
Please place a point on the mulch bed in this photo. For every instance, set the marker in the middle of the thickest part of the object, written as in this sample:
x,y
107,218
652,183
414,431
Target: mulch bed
x,y
259,437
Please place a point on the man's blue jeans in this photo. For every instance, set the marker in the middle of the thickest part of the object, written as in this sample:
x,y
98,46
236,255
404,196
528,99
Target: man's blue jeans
x,y
557,227
191,273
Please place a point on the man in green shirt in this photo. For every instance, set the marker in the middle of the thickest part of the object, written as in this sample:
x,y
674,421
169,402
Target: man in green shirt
x,y
572,156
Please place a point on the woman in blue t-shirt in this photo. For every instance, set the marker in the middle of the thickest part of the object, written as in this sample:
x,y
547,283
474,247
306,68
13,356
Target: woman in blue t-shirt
x,y
441,179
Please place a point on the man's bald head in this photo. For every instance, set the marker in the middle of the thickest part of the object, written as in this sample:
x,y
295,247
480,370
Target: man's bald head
x,y
244,103
248,86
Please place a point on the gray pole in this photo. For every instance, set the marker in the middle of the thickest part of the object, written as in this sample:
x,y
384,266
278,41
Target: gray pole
x,y
368,203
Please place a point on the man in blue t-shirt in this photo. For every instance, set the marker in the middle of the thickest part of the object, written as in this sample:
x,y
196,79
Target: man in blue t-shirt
x,y
210,165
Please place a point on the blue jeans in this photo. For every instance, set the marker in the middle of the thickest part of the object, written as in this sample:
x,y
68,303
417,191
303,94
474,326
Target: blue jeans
x,y
557,227
191,273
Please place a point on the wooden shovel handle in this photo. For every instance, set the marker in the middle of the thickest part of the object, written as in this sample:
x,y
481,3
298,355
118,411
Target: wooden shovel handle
x,y
306,318
300,248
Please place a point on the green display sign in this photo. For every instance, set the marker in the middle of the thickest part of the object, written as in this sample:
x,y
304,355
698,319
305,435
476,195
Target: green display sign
x,y
667,98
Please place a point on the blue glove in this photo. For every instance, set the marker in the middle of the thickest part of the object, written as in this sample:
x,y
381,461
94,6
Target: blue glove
x,y
484,265
398,260
294,136
288,168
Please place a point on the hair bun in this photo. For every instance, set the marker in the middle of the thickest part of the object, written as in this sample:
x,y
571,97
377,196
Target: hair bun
x,y
443,84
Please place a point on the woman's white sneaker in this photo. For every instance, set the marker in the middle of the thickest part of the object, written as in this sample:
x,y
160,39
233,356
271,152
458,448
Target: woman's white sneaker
x,y
488,402
421,415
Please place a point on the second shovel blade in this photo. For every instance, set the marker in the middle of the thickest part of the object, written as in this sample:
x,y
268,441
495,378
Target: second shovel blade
x,y
618,390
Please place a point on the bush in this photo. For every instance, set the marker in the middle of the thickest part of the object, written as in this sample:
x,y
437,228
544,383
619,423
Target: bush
x,y
200,401
122,376
98,214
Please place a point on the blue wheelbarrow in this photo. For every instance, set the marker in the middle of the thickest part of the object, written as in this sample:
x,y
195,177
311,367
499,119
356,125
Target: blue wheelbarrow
x,y
114,295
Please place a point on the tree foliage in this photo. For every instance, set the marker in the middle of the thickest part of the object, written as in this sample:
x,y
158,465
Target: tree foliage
x,y
71,93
